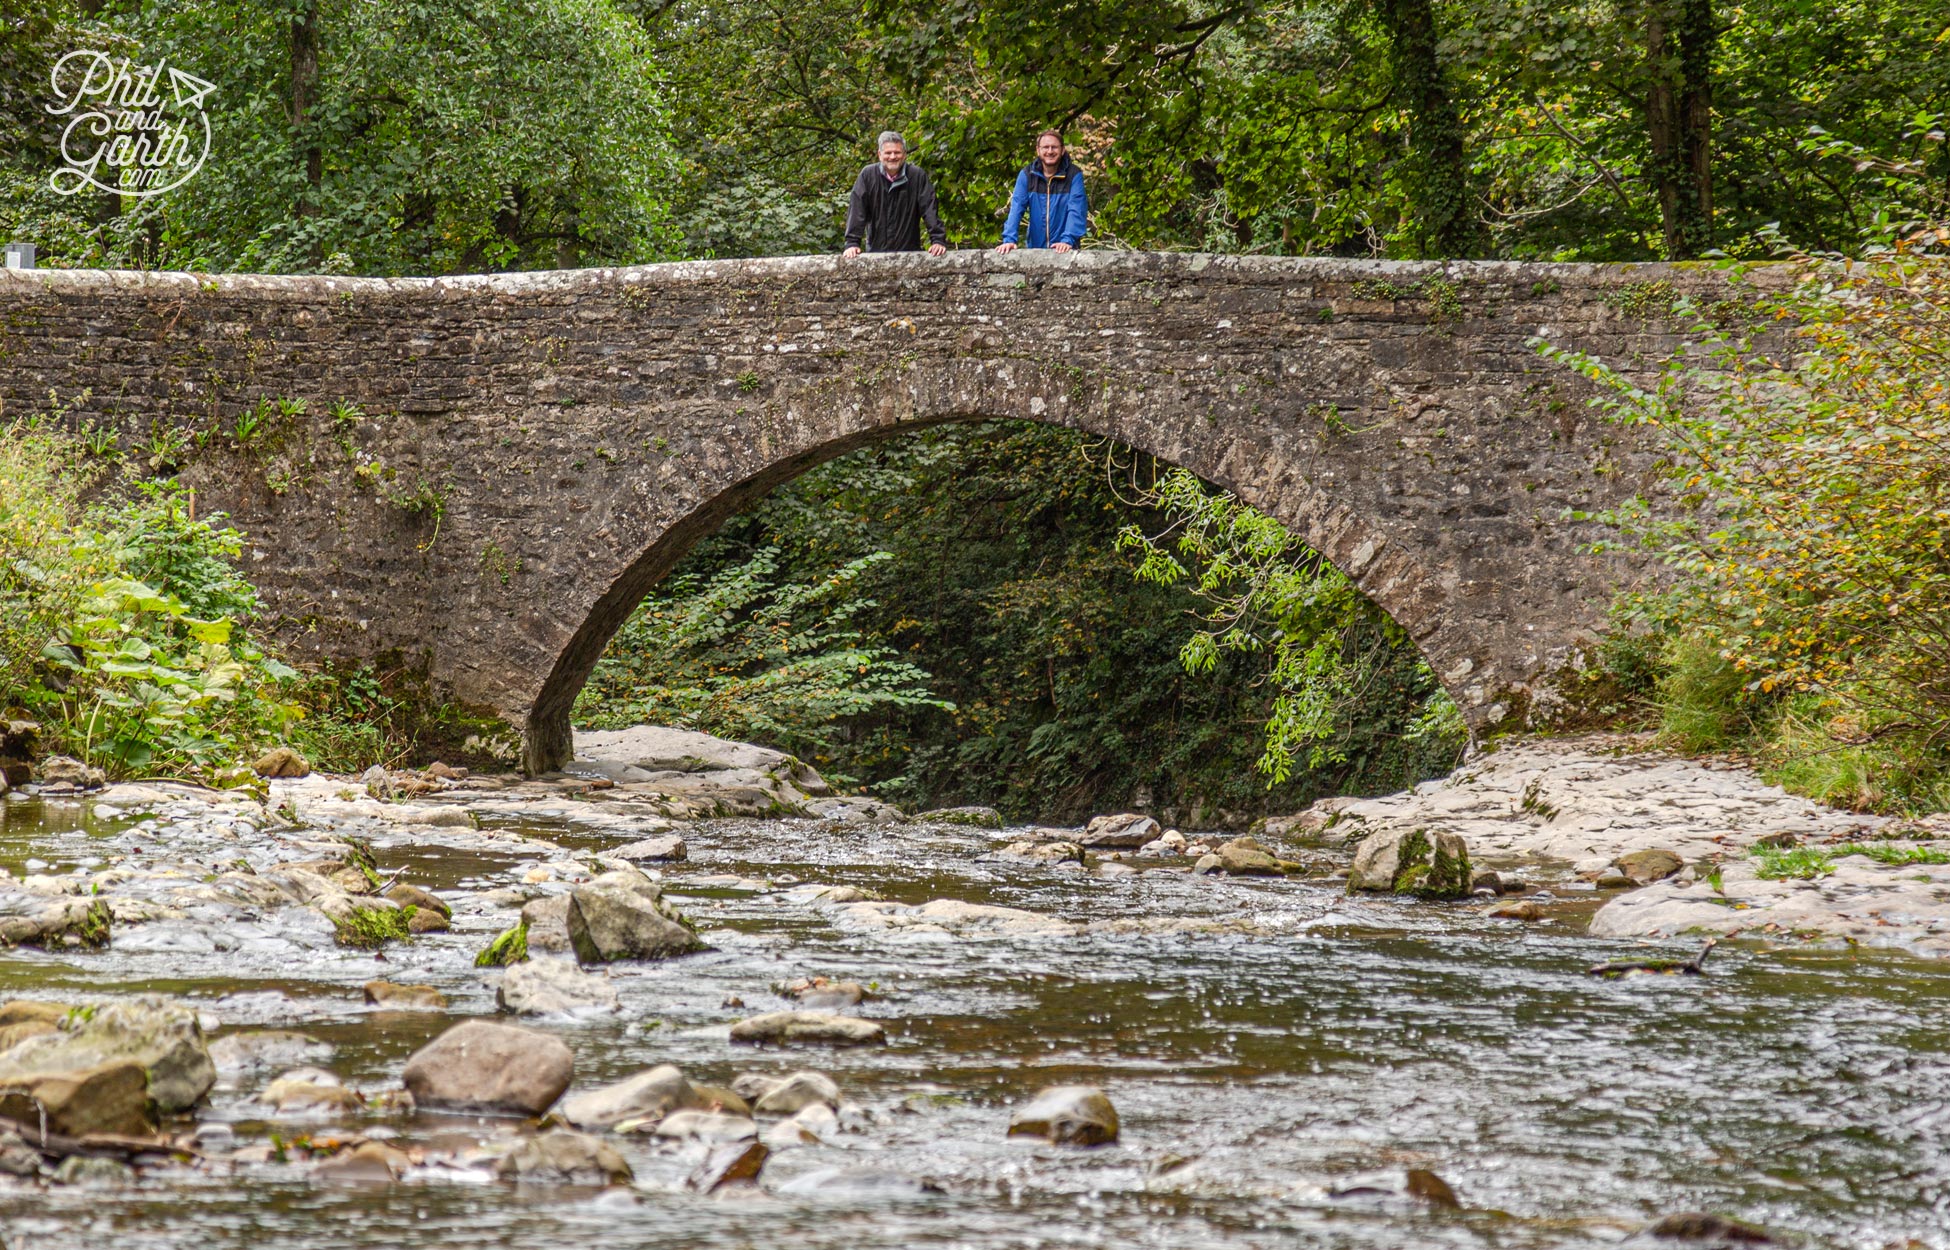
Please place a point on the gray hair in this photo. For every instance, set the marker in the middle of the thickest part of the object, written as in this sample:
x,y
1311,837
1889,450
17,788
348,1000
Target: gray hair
x,y
890,136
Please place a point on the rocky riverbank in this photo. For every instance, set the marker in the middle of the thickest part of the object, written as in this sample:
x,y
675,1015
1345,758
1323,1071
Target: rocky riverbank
x,y
589,979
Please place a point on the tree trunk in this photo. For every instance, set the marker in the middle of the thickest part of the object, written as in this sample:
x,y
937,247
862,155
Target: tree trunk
x,y
1679,46
1439,161
304,97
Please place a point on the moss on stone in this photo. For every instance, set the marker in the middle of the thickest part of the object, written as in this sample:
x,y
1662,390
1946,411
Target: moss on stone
x,y
1428,871
92,929
508,947
367,927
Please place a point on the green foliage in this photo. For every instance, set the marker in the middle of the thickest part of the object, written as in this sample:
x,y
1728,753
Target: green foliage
x,y
510,946
370,927
450,136
127,621
1332,657
1809,618
1894,853
1801,863
741,655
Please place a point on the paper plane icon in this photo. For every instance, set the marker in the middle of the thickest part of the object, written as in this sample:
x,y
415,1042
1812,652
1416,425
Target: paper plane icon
x,y
188,89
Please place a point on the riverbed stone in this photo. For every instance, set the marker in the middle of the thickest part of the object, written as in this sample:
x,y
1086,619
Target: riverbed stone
x,y
1643,867
546,986
413,896
92,1172
303,1092
622,916
405,997
368,1162
1126,829
822,994
478,1065
706,1126
661,850
819,1027
54,923
279,762
1072,1115
69,772
647,1097
548,924
798,1091
736,1164
950,917
562,1157
1424,863
975,817
258,1050
164,1038
1042,852
1245,857
107,1098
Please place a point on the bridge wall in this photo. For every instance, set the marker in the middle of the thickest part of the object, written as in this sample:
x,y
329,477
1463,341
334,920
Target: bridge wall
x,y
488,472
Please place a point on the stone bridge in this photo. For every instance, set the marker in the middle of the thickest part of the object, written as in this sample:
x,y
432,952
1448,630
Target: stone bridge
x,y
483,475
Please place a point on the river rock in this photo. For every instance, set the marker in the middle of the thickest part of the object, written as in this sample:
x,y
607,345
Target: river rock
x,y
949,916
664,850
477,1065
413,896
1425,863
736,1164
621,915
1244,857
108,1098
1127,829
1042,852
1703,1226
303,1091
544,987
1521,909
1649,865
260,1050
859,1182
1072,1115
405,997
820,994
66,771
562,1157
706,1126
281,762
548,925
163,1038
91,1172
647,1097
22,1018
797,1092
803,1128
369,1162
976,817
789,1027
54,922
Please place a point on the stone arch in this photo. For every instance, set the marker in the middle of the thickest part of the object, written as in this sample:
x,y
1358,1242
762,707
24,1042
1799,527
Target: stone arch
x,y
816,424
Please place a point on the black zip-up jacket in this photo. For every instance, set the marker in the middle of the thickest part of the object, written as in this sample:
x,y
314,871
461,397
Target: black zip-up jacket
x,y
883,216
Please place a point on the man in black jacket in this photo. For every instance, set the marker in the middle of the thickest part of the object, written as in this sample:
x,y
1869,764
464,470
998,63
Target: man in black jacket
x,y
889,202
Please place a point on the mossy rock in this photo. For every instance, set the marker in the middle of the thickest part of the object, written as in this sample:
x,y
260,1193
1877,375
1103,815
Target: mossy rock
x,y
1419,863
508,947
369,927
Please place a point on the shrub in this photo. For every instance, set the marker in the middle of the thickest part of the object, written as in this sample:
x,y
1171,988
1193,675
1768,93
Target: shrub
x,y
126,622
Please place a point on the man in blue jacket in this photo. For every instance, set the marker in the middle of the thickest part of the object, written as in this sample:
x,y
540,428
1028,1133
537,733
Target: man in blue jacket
x,y
1050,191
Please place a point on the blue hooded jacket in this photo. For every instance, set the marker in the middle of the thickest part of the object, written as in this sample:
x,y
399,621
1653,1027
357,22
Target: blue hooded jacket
x,y
1058,209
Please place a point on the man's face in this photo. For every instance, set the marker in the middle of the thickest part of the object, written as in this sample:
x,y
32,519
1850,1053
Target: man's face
x,y
1049,149
892,157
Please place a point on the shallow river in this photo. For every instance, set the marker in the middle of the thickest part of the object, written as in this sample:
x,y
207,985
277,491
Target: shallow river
x,y
1258,1078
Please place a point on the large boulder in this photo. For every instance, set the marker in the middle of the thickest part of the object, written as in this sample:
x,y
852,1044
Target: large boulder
x,y
110,1098
544,987
1643,867
648,1096
560,1157
621,915
1424,863
164,1039
1126,829
1071,1115
479,1066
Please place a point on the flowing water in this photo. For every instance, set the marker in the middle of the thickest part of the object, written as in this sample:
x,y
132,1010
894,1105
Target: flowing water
x,y
1273,1087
